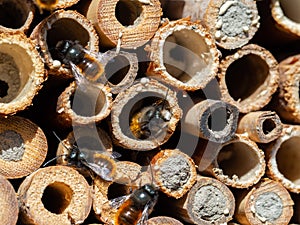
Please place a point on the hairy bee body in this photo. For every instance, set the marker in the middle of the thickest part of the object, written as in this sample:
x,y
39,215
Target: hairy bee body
x,y
150,121
136,208
81,61
46,4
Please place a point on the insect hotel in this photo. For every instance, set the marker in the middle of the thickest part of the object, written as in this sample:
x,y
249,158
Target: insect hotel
x,y
146,112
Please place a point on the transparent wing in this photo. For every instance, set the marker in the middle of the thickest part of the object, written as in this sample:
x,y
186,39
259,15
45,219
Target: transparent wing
x,y
117,202
81,81
100,162
147,210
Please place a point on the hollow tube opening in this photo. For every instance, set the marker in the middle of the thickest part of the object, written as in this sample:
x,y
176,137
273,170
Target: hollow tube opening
x,y
185,55
238,159
218,119
287,158
268,126
116,69
291,9
57,197
128,12
245,75
13,71
65,29
149,117
13,13
88,103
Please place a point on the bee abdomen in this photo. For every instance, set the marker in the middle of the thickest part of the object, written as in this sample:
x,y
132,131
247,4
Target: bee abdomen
x,y
129,216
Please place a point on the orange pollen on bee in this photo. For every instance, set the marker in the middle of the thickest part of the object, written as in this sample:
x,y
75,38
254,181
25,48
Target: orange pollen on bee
x,y
46,4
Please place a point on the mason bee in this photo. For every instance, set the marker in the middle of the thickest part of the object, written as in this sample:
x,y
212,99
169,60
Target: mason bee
x,y
135,208
83,64
150,121
96,162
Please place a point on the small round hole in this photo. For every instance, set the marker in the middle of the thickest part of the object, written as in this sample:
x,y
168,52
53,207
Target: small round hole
x,y
127,12
245,75
3,88
116,69
268,126
57,197
218,119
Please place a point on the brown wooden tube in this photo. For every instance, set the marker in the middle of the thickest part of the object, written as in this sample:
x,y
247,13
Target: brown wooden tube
x,y
174,172
288,95
23,147
239,162
9,203
268,202
213,120
52,5
133,22
16,15
261,126
249,78
80,107
209,201
283,158
104,191
63,25
163,220
55,195
182,53
128,108
120,69
20,80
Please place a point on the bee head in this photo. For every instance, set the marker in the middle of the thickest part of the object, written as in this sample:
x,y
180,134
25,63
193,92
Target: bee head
x,y
69,51
150,189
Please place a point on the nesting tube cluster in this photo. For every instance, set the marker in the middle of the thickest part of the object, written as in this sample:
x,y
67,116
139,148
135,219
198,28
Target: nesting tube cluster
x,y
154,112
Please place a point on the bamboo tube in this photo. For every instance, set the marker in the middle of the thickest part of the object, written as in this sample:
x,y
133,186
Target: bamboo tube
x,y
133,22
81,107
268,202
174,172
23,147
163,220
288,98
16,15
208,202
55,195
128,105
283,157
213,120
52,5
239,163
126,173
261,126
9,203
20,80
252,65
63,25
175,47
120,69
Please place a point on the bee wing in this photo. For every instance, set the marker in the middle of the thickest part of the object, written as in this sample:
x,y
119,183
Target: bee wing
x,y
147,210
117,202
81,81
103,172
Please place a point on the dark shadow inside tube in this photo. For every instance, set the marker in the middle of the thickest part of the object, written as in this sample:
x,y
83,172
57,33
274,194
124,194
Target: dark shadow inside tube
x,y
245,75
127,12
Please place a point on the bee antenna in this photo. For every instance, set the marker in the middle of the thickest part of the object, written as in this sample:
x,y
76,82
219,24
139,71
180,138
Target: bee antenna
x,y
60,140
165,99
53,159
